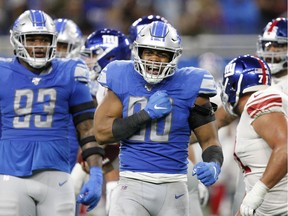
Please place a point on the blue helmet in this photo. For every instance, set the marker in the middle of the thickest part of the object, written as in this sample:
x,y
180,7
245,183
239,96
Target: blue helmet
x,y
243,74
104,46
68,33
272,45
140,23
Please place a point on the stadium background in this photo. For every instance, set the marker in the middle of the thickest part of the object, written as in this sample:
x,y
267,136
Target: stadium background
x,y
213,32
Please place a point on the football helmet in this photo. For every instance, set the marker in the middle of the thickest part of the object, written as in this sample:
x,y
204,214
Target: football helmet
x,y
138,24
68,33
102,47
159,36
243,74
272,45
33,22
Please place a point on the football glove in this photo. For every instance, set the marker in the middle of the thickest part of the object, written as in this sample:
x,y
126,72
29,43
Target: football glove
x,y
91,191
253,199
158,105
206,172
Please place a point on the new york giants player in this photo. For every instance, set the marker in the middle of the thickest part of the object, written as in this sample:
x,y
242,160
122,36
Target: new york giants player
x,y
151,106
38,93
272,47
262,150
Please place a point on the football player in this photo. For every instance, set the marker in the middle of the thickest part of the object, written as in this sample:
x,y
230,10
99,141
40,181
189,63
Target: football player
x,y
38,95
261,143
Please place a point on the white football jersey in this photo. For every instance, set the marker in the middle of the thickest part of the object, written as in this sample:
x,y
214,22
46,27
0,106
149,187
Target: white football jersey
x,y
252,153
281,84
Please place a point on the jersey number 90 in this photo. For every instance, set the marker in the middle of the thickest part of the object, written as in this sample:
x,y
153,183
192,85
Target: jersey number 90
x,y
153,136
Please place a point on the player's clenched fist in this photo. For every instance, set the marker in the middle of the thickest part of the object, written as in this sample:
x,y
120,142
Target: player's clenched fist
x,y
158,105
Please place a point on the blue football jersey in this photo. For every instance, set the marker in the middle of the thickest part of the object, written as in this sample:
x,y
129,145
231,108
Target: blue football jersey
x,y
161,145
36,113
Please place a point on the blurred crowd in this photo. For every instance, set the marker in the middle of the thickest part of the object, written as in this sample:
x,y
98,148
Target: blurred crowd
x,y
191,17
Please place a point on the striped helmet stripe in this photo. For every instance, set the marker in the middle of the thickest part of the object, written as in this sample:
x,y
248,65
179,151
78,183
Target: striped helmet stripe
x,y
272,25
158,31
37,18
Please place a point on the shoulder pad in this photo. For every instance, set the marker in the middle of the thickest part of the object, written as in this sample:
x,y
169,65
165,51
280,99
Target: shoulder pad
x,y
81,73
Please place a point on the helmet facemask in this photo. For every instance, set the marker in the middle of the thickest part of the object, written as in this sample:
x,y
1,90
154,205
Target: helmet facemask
x,y
19,41
275,54
272,45
154,72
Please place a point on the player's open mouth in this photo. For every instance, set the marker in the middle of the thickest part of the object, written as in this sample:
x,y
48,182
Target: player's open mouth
x,y
153,70
39,55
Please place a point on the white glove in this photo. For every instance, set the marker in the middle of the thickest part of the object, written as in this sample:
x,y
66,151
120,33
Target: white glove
x,y
109,189
253,199
78,176
203,194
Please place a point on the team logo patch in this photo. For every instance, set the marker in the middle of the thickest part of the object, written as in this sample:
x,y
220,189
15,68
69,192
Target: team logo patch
x,y
36,80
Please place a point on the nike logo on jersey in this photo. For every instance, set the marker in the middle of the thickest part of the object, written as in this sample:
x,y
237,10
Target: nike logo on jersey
x,y
62,183
159,107
178,196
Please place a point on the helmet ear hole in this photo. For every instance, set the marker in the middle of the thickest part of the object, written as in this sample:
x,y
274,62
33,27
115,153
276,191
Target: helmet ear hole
x,y
140,51
234,86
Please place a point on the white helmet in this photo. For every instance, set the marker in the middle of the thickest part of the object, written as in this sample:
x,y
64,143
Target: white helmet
x,y
70,34
159,36
33,22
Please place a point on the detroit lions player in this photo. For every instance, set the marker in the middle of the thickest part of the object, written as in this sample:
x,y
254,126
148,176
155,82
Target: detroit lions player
x,y
100,48
151,106
37,95
261,151
197,191
69,39
69,42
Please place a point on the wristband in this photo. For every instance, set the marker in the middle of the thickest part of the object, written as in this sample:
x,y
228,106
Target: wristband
x,y
90,151
213,153
86,140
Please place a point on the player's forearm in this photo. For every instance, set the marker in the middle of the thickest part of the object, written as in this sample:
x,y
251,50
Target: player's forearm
x,y
92,152
223,118
103,131
193,139
121,128
276,168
